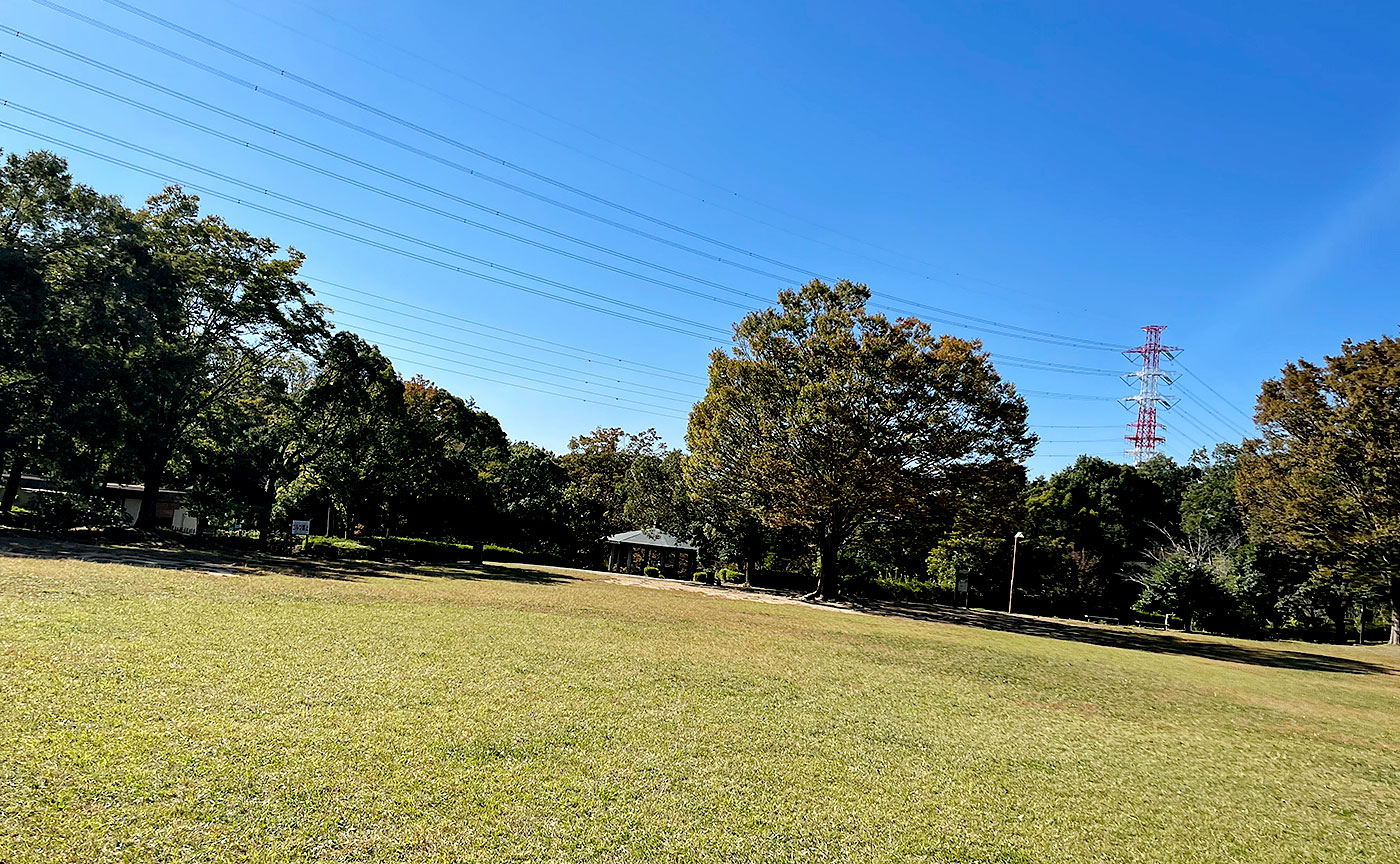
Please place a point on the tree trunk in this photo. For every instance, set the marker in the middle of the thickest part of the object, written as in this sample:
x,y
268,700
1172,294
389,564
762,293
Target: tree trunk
x,y
11,486
265,512
1394,609
826,569
146,517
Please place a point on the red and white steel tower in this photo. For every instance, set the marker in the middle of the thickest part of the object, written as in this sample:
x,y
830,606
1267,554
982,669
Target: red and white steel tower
x,y
1147,431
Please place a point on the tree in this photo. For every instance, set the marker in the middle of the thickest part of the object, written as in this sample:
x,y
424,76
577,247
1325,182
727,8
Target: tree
x,y
1324,476
80,291
349,448
529,489
616,481
232,305
447,442
242,448
826,418
1087,523
1184,576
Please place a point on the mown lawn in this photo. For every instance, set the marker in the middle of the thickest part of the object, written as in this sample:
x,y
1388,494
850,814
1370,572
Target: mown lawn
x,y
225,714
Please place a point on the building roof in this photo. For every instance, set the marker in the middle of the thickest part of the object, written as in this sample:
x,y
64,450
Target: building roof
x,y
650,537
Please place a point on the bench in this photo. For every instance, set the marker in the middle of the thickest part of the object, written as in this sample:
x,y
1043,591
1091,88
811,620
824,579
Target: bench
x,y
1101,619
1151,625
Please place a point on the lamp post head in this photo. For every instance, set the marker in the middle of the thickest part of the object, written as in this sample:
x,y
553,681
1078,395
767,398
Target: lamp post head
x,y
1019,536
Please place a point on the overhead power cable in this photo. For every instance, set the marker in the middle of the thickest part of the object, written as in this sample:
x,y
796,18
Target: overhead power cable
x,y
1012,331
1051,395
423,130
1029,333
595,401
662,393
362,223
360,163
1212,436
417,151
1225,422
550,382
388,248
708,201
1206,384
1015,332
457,321
1053,426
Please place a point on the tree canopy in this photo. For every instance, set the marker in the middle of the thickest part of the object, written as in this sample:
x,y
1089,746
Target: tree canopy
x,y
1324,476
825,417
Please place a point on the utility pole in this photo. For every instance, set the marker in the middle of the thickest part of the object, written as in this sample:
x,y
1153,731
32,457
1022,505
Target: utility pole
x,y
1147,431
1011,594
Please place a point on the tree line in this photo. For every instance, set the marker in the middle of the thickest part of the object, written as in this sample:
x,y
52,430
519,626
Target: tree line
x,y
163,346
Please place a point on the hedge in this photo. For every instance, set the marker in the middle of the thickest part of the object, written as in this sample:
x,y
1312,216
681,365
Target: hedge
x,y
416,549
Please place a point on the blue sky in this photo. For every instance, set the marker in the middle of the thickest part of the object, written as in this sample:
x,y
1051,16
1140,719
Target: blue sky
x,y
1229,170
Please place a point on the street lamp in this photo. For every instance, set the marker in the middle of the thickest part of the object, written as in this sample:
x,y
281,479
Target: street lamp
x,y
1015,541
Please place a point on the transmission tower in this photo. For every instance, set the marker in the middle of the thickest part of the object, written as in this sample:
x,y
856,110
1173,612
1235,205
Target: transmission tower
x,y
1147,431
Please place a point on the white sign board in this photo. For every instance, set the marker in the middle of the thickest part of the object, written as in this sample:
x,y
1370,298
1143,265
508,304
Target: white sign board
x,y
962,586
301,527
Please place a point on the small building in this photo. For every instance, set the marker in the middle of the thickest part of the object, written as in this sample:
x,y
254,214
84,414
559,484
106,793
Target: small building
x,y
634,551
170,503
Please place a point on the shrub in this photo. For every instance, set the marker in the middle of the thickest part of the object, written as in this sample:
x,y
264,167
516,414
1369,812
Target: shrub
x,y
652,572
415,549
60,511
337,547
729,576
701,576
900,586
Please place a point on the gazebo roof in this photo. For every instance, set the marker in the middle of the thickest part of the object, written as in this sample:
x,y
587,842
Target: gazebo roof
x,y
650,537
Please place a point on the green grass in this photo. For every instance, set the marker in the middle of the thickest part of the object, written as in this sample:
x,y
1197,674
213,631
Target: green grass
x,y
228,713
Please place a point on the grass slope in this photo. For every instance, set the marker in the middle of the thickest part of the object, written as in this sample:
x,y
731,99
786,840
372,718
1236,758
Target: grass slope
x,y
222,713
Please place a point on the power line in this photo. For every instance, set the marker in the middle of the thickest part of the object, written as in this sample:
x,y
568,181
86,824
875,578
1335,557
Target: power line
x,y
460,322
423,130
395,142
371,226
1081,440
1226,422
662,393
1212,436
610,404
386,247
360,163
1048,366
1027,333
551,383
1014,331
1206,384
378,37
1051,395
112,139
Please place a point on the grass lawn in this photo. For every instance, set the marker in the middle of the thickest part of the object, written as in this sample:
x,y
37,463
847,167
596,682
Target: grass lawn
x,y
223,712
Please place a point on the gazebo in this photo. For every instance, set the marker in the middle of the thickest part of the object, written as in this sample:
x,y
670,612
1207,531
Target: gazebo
x,y
634,551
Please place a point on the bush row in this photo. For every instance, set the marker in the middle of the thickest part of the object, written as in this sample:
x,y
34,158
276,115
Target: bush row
x,y
416,549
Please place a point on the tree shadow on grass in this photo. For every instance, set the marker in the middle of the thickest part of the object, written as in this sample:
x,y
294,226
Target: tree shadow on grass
x,y
1207,647
497,572
162,554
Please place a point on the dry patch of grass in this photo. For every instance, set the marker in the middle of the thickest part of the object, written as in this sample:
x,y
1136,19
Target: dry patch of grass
x,y
228,713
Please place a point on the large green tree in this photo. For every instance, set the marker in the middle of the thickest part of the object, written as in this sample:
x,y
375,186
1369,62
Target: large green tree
x,y
80,290
825,417
233,304
447,442
1324,477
